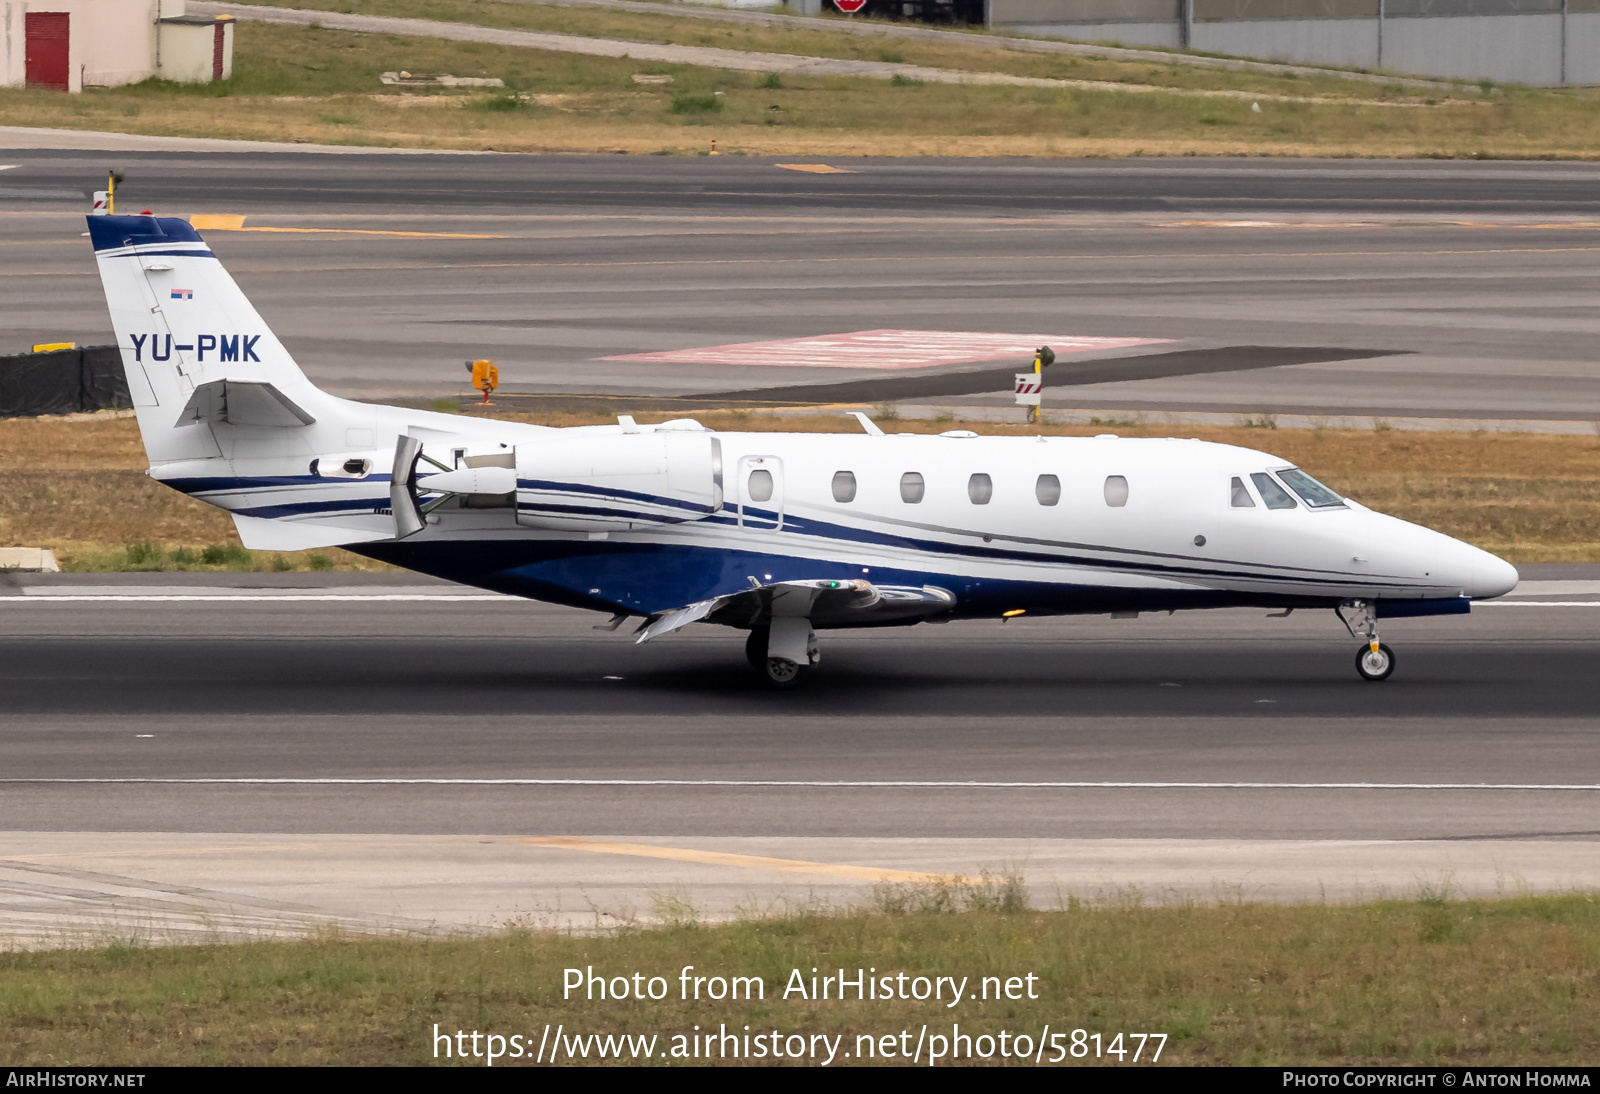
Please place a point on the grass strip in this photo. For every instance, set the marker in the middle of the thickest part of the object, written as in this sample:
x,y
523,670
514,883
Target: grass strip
x,y
1428,981
318,85
78,487
671,28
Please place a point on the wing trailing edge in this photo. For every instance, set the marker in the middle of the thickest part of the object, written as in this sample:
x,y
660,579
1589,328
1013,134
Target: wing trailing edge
x,y
826,602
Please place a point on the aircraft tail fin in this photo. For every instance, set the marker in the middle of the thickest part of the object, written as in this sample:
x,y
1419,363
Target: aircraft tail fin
x,y
194,349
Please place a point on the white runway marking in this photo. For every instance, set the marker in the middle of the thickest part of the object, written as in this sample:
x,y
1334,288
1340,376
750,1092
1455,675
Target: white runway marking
x,y
841,784
1539,604
1555,588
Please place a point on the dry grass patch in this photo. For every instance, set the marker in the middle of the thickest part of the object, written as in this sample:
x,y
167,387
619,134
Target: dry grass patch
x,y
77,486
117,520
972,55
317,85
1421,982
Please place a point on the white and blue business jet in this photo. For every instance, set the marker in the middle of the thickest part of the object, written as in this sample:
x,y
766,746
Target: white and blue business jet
x,y
778,534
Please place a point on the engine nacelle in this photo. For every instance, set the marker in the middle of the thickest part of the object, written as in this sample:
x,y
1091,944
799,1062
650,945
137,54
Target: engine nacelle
x,y
617,482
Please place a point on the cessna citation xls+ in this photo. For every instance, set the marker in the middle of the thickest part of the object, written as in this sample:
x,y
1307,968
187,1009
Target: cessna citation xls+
x,y
778,534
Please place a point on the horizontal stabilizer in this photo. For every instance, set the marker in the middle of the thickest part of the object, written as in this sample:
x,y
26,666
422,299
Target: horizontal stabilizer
x,y
243,402
262,534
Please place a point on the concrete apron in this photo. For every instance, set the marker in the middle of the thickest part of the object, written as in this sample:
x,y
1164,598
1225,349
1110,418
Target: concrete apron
x,y
74,889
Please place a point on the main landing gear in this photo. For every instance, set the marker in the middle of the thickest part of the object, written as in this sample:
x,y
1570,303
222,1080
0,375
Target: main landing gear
x,y
1374,660
783,650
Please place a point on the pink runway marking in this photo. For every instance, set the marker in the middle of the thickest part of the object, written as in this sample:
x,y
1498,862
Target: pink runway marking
x,y
885,349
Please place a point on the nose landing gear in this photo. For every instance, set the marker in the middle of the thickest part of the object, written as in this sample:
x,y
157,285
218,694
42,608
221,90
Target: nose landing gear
x,y
1374,661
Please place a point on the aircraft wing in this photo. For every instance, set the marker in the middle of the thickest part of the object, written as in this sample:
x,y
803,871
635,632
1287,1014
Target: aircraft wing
x,y
825,602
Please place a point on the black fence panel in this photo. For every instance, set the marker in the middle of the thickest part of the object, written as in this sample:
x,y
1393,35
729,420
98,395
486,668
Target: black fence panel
x,y
67,381
105,386
41,383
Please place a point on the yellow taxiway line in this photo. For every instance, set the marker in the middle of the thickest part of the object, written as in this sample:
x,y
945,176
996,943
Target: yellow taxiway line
x,y
563,843
218,222
815,168
753,862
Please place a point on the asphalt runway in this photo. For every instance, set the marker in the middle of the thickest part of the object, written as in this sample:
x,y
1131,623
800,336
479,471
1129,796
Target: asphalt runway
x,y
1463,289
289,182
423,753
204,757
1203,725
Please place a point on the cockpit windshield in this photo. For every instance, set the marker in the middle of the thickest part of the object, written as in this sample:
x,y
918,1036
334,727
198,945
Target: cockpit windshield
x,y
1275,496
1310,490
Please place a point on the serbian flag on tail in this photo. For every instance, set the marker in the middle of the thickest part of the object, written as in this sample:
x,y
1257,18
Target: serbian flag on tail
x,y
183,294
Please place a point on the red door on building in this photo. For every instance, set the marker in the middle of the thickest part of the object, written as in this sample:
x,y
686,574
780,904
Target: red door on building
x,y
47,49
217,40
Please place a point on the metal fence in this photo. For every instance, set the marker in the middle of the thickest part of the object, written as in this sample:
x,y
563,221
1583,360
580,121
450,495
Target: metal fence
x,y
67,381
1537,42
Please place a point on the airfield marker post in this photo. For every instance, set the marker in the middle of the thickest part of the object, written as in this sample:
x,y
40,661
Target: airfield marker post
x,y
1030,385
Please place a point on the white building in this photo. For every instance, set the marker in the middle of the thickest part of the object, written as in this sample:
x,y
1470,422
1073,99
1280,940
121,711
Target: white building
x,y
72,44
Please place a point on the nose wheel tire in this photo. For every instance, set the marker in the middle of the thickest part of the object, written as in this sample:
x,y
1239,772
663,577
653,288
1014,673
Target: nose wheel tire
x,y
1375,664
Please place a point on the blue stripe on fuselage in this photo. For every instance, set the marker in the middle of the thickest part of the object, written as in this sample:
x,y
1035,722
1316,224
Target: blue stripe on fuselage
x,y
646,578
1133,561
610,492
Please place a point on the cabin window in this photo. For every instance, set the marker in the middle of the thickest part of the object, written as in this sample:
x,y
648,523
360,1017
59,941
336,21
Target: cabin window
x,y
760,485
1116,491
1312,492
911,487
1240,495
844,486
1274,495
980,488
1047,489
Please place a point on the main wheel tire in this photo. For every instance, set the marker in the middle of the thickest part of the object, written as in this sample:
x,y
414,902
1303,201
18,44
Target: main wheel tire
x,y
782,673
755,648
1376,664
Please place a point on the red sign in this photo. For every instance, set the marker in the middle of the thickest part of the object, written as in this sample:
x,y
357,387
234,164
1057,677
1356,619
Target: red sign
x,y
849,7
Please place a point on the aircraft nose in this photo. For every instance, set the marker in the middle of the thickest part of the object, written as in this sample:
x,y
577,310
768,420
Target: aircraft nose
x,y
1491,576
